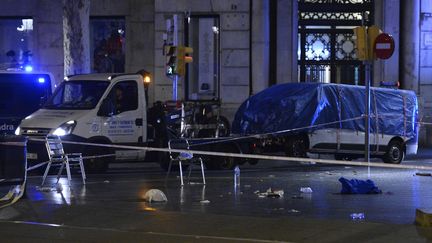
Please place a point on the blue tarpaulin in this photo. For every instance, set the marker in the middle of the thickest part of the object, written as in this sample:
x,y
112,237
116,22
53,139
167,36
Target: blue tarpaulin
x,y
302,105
355,186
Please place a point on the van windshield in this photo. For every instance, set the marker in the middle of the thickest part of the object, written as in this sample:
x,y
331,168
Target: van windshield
x,y
22,93
77,95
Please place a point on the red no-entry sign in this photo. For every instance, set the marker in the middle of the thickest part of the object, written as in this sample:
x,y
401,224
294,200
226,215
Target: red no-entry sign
x,y
384,46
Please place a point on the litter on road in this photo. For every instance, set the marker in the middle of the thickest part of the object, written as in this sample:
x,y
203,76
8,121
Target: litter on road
x,y
270,193
155,195
355,186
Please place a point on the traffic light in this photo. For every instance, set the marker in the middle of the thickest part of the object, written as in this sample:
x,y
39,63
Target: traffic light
x,y
183,58
372,32
171,60
360,41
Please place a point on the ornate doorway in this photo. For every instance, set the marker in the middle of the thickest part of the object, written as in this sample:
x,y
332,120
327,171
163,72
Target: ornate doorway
x,y
327,51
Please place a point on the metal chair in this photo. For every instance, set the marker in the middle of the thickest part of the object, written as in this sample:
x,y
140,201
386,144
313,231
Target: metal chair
x,y
57,156
183,157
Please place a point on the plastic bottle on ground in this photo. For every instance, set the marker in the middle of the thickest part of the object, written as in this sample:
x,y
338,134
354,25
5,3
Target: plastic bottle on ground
x,y
237,176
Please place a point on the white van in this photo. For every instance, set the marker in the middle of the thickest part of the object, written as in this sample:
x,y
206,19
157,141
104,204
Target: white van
x,y
301,118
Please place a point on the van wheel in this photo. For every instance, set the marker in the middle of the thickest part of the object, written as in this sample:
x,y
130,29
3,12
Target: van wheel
x,y
296,147
343,157
96,165
222,162
395,152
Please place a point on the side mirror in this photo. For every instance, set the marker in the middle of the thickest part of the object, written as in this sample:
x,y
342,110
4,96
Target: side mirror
x,y
106,109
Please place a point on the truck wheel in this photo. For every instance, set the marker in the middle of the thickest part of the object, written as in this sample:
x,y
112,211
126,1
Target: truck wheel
x,y
97,165
395,152
222,162
343,157
296,147
252,161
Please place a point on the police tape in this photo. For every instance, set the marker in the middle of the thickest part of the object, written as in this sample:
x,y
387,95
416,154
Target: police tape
x,y
252,156
14,194
15,191
84,157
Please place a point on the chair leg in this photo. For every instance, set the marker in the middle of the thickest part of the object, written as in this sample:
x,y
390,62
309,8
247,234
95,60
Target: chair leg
x,y
83,174
60,172
202,171
190,171
68,172
181,173
46,173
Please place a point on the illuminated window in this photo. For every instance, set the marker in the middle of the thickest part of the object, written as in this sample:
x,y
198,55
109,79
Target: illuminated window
x,y
107,45
202,79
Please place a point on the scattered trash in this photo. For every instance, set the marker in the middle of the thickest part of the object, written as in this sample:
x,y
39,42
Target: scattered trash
x,y
293,211
237,176
278,209
328,173
306,190
296,197
271,176
356,186
45,188
270,193
247,186
155,195
204,201
220,195
423,174
357,216
106,181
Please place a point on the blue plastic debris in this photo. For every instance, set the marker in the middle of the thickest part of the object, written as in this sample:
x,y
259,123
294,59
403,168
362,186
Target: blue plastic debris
x,y
355,186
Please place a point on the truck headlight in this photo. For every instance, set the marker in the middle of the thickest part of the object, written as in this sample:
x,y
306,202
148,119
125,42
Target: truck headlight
x,y
65,128
18,131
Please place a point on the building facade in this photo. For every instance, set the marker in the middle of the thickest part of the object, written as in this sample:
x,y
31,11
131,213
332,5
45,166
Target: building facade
x,y
240,47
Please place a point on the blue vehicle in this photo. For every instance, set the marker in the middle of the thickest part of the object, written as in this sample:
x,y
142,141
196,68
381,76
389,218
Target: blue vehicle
x,y
21,94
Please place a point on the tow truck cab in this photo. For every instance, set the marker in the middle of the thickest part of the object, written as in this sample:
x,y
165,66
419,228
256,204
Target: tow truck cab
x,y
21,93
96,108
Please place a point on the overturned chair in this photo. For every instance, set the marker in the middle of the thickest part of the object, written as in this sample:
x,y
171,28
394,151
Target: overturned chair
x,y
187,158
57,156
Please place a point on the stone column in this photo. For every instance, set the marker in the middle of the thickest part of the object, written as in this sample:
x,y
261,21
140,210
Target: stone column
x,y
387,17
410,44
260,45
287,31
76,36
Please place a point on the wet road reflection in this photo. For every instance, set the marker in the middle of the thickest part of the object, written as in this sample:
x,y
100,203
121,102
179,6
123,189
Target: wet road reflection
x,y
123,193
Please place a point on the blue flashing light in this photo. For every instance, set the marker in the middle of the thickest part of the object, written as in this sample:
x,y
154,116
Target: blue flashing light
x,y
41,80
28,68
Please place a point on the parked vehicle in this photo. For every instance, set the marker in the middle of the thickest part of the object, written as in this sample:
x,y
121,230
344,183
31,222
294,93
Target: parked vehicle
x,y
106,109
301,118
21,93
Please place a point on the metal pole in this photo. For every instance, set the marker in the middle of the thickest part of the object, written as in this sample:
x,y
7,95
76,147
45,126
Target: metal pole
x,y
367,110
367,65
175,43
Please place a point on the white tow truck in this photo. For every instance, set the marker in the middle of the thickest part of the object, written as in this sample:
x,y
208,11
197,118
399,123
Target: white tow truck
x,y
95,108
113,109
